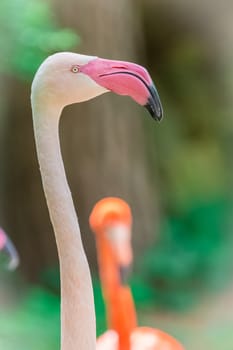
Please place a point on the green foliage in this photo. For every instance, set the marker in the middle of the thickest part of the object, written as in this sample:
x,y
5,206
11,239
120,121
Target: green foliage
x,y
50,279
192,254
192,158
101,324
143,293
28,34
34,324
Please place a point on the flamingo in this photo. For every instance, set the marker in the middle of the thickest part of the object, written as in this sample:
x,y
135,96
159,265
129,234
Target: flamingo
x,y
111,221
7,246
62,79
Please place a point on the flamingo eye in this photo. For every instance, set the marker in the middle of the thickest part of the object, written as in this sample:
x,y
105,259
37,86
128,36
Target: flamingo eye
x,y
75,69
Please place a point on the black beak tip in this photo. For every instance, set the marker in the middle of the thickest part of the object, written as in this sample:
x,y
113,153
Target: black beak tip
x,y
153,104
155,112
124,272
12,255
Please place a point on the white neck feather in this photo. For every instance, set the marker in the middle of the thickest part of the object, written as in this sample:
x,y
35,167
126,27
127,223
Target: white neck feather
x,y
77,303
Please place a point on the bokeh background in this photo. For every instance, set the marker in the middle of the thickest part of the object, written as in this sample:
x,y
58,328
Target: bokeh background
x,y
176,175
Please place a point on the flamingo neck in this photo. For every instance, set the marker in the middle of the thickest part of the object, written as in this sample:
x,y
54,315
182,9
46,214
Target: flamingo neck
x,y
77,303
120,308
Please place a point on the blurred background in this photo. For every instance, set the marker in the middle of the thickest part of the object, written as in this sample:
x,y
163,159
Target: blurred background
x,y
176,175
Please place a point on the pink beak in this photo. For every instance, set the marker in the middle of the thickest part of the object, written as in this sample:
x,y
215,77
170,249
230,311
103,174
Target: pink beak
x,y
125,78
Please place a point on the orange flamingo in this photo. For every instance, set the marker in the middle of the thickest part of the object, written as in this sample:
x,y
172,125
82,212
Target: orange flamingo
x,y
111,221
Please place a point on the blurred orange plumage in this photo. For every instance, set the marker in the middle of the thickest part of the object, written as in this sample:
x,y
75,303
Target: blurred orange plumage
x,y
111,221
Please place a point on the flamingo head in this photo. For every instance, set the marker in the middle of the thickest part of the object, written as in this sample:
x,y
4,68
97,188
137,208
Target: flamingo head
x,y
111,220
65,78
7,247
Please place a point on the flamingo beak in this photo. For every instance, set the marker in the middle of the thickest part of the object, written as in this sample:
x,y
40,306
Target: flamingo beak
x,y
13,255
124,273
8,248
153,104
126,78
119,236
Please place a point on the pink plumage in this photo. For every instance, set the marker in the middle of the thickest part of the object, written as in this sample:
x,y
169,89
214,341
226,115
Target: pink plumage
x,y
2,239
